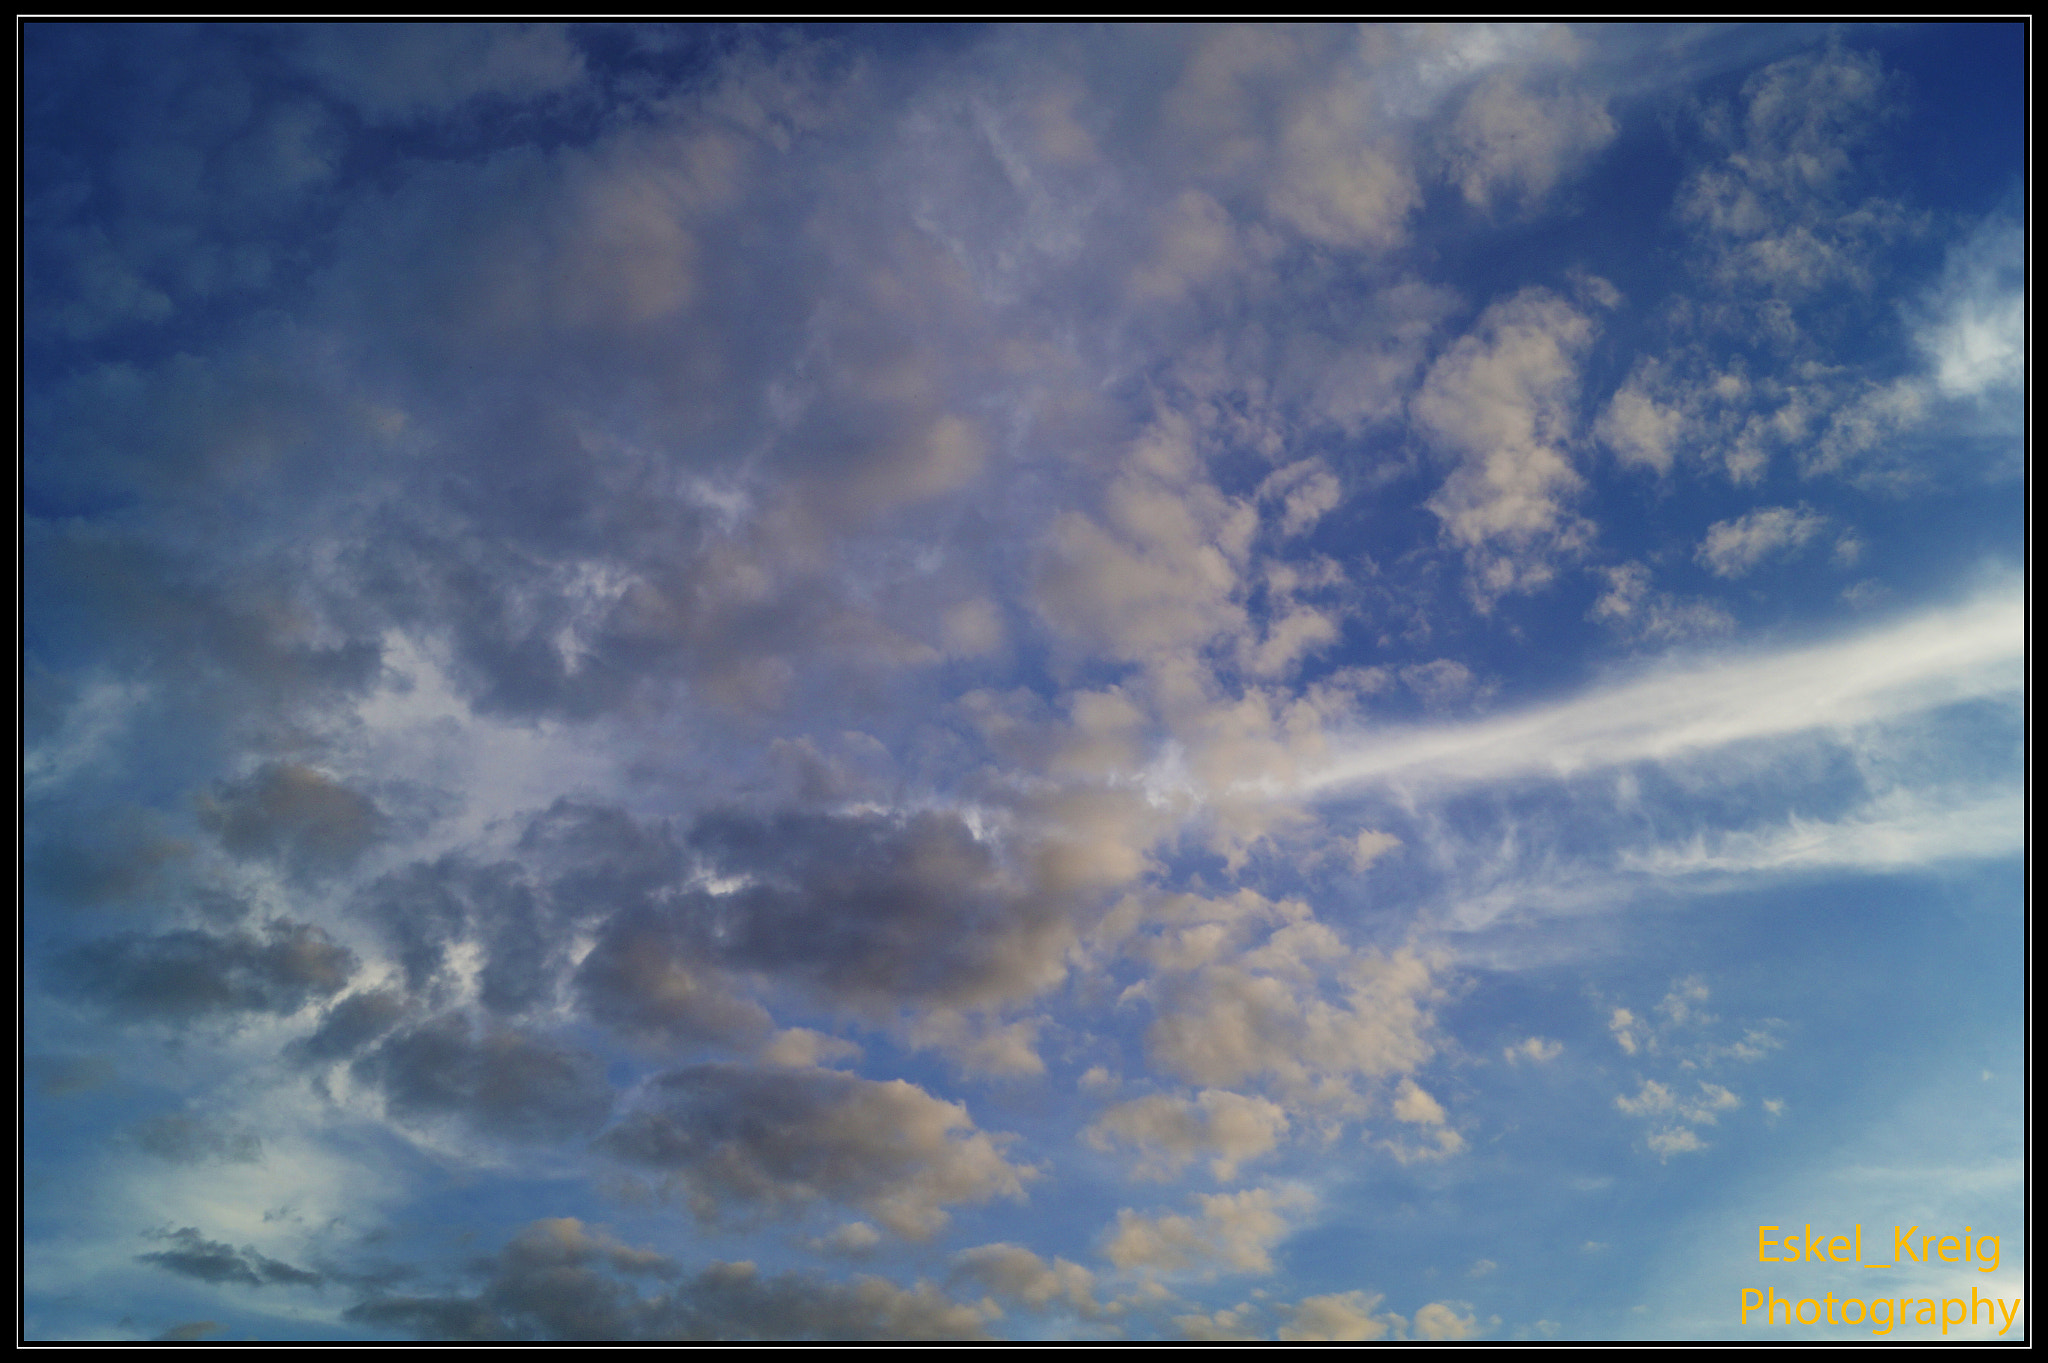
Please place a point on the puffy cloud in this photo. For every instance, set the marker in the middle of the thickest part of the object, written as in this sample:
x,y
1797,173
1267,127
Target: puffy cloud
x,y
644,977
1218,1327
1346,1317
1974,327
1510,142
1500,402
496,1080
561,1280
1778,211
1631,606
778,1140
1443,1320
192,973
300,816
1168,1133
1233,1231
1674,1115
1733,548
1536,1050
874,907
1160,570
429,909
1641,424
1342,181
1228,1023
1017,1275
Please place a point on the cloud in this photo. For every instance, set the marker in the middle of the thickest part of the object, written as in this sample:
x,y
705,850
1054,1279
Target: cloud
x,y
189,1332
351,1023
1446,1320
192,973
1535,1050
429,909
572,573
60,1076
1936,658
295,814
1226,1023
1348,1317
1779,211
561,1280
1735,547
1974,324
645,978
1500,403
402,72
1160,571
1630,606
1233,1231
1898,829
1169,1133
1512,143
775,1141
192,1255
121,857
1675,1116
183,1139
1640,423
873,907
1022,1278
496,1080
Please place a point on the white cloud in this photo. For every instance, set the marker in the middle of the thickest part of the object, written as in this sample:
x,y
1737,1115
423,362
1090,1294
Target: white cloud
x,y
1510,142
1446,1320
1536,1050
1168,1133
1936,658
1351,1317
1234,1231
1733,548
1500,401
1632,607
1976,326
1017,1275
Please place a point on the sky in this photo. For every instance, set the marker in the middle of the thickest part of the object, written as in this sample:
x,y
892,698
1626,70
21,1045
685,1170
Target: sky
x,y
1058,682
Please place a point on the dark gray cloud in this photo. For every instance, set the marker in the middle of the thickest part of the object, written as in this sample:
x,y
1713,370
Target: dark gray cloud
x,y
496,1080
192,1255
598,859
645,978
59,1076
294,814
185,1139
350,1024
872,906
107,857
560,1280
429,906
755,1141
191,973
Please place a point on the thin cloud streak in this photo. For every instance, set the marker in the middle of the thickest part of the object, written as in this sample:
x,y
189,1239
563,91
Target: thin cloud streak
x,y
1938,658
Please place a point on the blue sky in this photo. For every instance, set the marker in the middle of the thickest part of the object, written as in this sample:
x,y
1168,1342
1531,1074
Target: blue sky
x,y
1061,682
